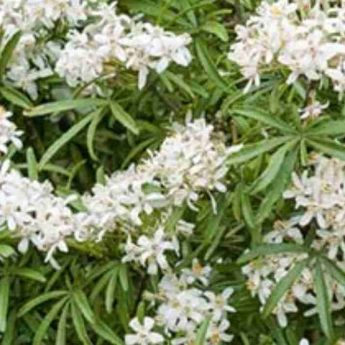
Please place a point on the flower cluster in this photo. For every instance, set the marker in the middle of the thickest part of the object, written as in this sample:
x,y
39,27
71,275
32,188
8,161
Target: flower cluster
x,y
321,197
35,51
307,40
90,37
181,307
8,132
112,38
189,163
31,211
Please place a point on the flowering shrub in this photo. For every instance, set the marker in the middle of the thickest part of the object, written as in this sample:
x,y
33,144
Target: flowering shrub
x,y
172,172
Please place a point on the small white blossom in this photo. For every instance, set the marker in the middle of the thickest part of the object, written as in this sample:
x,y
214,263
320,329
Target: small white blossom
x,y
143,333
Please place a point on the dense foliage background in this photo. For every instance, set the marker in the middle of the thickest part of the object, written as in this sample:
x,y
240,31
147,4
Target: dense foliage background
x,y
74,141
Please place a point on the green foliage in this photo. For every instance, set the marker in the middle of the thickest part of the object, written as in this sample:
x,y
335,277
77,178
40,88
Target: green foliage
x,y
75,141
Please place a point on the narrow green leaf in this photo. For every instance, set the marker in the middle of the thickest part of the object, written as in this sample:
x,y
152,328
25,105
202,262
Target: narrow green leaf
x,y
216,29
328,128
83,305
110,292
97,118
334,270
178,80
103,330
32,164
264,117
278,186
283,286
208,65
202,332
6,53
4,300
33,303
15,97
270,249
63,140
10,333
123,117
6,251
61,330
323,301
29,273
79,325
45,324
329,147
249,217
59,106
251,151
272,170
123,275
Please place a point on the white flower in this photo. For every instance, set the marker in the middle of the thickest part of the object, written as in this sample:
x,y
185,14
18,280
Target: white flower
x,y
113,38
309,44
143,333
313,110
219,304
197,273
150,252
8,132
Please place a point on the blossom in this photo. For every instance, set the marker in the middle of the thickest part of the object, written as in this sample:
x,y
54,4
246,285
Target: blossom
x,y
116,38
309,45
143,333
151,251
182,307
8,132
318,194
34,214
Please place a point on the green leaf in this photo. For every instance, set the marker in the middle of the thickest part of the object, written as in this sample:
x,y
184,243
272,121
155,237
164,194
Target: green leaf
x,y
272,170
10,333
39,300
251,151
6,251
15,97
60,106
327,128
249,217
45,324
208,65
270,249
329,147
323,301
178,80
83,305
202,332
123,275
283,286
29,273
63,140
334,270
267,119
32,164
97,118
79,325
106,333
278,186
61,329
110,291
217,29
7,52
123,117
4,301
